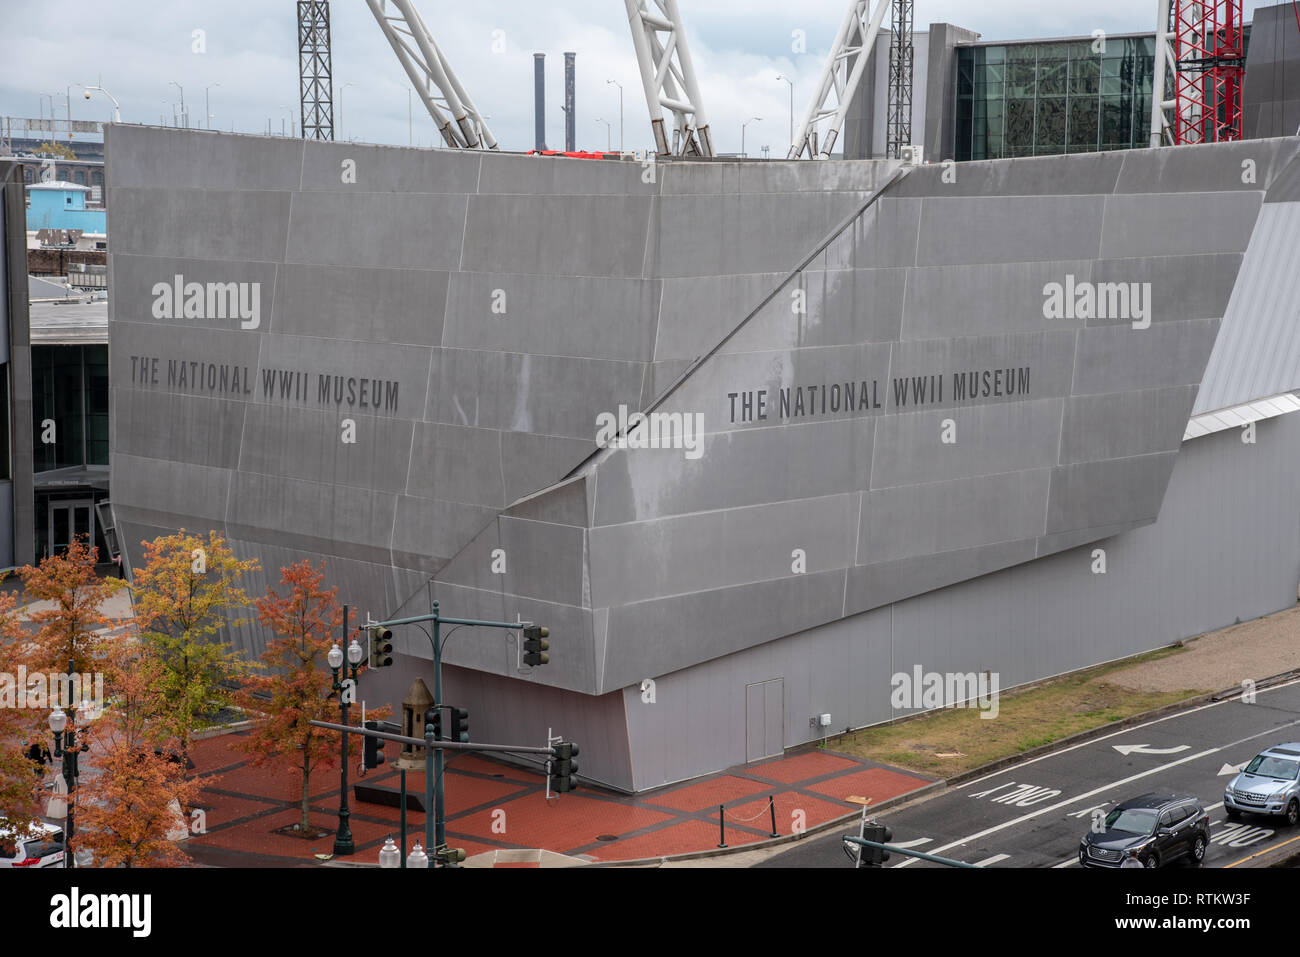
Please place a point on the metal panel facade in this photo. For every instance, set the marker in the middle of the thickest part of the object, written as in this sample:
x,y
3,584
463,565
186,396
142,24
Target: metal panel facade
x,y
398,360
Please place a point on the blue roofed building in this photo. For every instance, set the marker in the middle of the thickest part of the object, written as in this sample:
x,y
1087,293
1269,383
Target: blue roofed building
x,y
61,205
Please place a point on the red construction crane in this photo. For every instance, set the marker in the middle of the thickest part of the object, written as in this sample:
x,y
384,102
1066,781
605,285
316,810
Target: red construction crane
x,y
1210,51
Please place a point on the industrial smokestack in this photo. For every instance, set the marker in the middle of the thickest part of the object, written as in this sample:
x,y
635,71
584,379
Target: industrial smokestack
x,y
570,119
539,99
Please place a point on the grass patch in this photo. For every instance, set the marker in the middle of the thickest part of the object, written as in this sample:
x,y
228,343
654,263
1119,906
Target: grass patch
x,y
948,742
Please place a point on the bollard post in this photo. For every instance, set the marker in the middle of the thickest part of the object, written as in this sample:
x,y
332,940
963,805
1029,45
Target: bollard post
x,y
722,828
403,817
771,803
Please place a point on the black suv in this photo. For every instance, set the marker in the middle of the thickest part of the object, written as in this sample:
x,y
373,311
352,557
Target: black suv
x,y
1161,826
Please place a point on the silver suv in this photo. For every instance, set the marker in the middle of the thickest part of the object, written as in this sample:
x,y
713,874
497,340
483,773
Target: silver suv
x,y
1269,784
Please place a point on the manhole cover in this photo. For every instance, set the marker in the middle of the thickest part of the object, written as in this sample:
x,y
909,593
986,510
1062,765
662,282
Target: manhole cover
x,y
607,837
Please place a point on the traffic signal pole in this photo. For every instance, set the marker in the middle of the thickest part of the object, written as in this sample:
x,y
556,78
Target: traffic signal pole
x,y
433,747
434,760
906,852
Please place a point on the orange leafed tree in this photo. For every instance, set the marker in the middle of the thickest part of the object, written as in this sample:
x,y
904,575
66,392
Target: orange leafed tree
x,y
68,627
189,588
296,688
128,808
19,782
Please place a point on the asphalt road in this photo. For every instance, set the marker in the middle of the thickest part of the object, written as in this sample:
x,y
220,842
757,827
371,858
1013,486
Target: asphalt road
x,y
1033,814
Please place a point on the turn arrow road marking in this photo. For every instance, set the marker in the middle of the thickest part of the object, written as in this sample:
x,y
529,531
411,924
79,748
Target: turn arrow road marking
x,y
1127,749
1232,768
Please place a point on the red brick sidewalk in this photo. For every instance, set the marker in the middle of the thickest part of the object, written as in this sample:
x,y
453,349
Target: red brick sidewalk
x,y
491,805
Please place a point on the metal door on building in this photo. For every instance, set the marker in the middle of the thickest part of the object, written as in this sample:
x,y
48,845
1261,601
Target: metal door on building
x,y
70,520
765,719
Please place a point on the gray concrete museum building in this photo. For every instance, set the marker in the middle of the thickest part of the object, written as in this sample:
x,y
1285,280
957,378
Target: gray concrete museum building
x,y
926,398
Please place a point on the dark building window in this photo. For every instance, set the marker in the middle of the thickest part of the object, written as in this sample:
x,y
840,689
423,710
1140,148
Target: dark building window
x,y
28,175
70,406
1038,99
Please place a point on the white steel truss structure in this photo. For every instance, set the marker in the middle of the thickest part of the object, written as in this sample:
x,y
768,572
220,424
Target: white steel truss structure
x,y
668,77
1163,71
440,90
840,76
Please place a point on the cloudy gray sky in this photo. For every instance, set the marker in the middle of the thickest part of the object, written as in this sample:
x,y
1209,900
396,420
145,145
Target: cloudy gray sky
x,y
137,47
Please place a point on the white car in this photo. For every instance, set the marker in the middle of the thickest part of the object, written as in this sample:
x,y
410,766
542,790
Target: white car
x,y
41,846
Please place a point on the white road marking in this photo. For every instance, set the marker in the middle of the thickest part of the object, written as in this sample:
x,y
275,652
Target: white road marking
x,y
1127,749
988,861
1105,787
1115,734
1232,768
916,843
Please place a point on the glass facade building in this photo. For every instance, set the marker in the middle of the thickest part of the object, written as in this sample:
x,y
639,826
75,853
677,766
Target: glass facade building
x,y
70,448
1037,99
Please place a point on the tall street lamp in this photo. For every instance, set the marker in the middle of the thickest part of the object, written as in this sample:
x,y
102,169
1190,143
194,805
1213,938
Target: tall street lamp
x,y
207,112
620,111
185,121
117,112
752,119
342,89
782,76
67,747
609,134
343,840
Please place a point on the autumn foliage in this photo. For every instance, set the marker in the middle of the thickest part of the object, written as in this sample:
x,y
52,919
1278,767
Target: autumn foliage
x,y
68,629
189,588
19,781
297,684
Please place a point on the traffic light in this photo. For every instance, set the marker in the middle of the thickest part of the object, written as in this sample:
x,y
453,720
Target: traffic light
x,y
874,856
381,646
460,725
434,717
373,749
534,647
563,767
450,856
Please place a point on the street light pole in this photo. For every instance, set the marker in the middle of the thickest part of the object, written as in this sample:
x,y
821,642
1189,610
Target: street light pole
x,y
609,135
341,91
620,111
207,112
67,747
117,112
782,76
343,844
752,119
184,117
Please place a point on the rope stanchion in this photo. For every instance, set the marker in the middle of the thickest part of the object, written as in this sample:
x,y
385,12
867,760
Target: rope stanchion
x,y
722,817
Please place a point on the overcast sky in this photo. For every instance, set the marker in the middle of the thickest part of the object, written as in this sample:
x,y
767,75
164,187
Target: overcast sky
x,y
739,47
